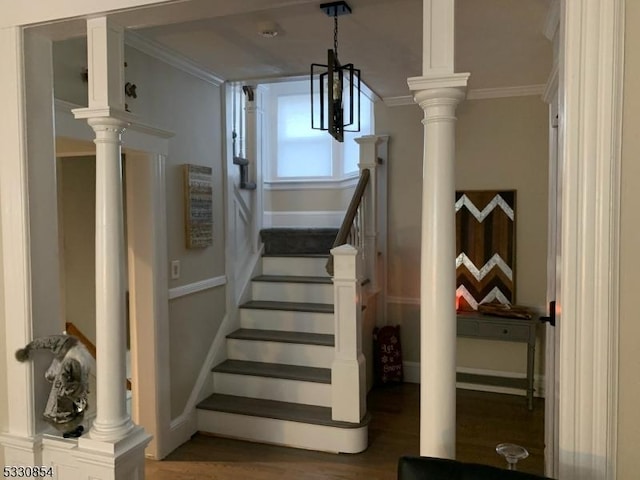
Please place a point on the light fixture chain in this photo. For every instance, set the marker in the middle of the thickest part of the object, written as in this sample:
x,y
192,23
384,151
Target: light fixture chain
x,y
335,33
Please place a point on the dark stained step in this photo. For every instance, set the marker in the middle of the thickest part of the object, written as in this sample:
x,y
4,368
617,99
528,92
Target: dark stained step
x,y
293,412
290,306
298,240
292,279
275,370
304,338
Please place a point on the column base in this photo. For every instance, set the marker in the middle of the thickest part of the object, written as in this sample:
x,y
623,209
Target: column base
x,y
20,450
89,459
110,433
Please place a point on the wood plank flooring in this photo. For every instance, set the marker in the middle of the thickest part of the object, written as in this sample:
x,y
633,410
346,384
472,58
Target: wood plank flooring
x,y
483,421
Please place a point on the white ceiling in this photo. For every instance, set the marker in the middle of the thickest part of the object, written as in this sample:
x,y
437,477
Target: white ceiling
x,y
499,41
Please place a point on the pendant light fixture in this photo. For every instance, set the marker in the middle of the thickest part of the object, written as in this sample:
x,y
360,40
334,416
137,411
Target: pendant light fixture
x,y
335,88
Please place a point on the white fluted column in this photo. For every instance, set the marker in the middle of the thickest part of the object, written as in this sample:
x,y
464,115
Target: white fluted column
x,y
438,91
106,116
112,420
437,280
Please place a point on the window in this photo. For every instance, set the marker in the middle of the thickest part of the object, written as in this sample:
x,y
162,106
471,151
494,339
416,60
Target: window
x,y
298,152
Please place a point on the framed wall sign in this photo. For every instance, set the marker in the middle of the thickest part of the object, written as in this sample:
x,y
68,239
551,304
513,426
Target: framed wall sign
x,y
485,247
198,193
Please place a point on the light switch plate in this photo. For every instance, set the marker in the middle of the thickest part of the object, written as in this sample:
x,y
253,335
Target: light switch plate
x,y
175,269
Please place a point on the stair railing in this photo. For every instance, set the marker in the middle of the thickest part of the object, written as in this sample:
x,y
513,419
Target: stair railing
x,y
351,230
71,329
356,265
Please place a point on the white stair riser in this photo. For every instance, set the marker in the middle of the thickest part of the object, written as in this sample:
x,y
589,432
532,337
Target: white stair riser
x,y
282,432
292,292
279,352
308,322
303,266
294,391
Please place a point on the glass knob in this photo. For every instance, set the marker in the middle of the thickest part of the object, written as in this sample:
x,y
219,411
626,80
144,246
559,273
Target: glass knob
x,y
512,453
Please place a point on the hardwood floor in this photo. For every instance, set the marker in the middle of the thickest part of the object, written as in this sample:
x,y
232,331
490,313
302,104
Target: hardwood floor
x,y
484,420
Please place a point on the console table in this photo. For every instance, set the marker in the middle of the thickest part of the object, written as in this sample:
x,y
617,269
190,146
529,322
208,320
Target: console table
x,y
475,325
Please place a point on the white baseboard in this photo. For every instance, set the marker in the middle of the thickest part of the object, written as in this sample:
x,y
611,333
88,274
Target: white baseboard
x,y
412,375
182,429
318,219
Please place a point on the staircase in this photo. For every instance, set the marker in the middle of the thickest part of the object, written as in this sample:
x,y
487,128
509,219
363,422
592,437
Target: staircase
x,y
275,387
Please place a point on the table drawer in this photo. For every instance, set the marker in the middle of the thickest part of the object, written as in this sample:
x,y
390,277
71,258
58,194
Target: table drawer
x,y
506,331
467,328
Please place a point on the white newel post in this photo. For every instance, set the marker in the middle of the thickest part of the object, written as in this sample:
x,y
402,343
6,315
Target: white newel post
x,y
368,146
253,116
348,375
438,92
114,435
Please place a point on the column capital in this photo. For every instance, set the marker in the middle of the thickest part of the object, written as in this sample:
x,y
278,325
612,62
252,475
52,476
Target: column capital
x,y
446,91
104,115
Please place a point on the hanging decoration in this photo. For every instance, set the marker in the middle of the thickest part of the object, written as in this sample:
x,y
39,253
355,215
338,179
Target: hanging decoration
x,y
335,88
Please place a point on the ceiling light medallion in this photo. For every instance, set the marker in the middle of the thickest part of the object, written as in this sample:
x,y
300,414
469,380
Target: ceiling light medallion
x,y
335,88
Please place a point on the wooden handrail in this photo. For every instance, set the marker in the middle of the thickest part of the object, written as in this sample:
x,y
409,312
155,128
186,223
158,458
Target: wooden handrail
x,y
71,329
350,215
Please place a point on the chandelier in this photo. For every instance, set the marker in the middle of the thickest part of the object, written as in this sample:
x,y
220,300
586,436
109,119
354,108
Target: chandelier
x,y
335,88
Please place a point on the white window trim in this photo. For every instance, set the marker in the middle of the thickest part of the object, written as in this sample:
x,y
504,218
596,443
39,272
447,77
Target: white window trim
x,y
337,149
306,184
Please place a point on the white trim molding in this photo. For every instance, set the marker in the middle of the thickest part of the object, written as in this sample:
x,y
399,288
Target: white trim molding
x,y
319,219
400,101
341,184
551,87
171,57
403,300
505,92
590,131
552,22
196,287
478,94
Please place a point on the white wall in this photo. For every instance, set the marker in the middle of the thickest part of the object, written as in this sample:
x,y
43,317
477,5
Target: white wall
x,y
500,144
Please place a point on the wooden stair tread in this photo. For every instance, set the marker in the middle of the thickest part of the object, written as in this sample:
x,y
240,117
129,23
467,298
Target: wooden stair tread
x,y
283,336
293,412
290,306
292,279
275,370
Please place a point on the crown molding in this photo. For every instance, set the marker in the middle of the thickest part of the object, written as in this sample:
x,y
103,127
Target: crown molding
x,y
399,101
173,58
477,94
504,92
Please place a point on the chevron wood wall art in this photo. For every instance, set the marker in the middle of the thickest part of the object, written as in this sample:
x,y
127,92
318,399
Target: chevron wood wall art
x,y
485,247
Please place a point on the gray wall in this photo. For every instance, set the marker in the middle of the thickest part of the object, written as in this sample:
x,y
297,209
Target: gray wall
x,y
191,108
500,144
76,220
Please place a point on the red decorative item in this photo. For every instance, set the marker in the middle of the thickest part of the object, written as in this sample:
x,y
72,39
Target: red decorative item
x,y
387,354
